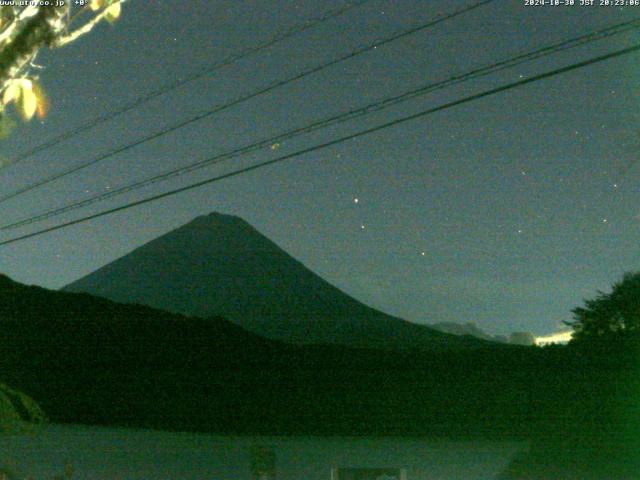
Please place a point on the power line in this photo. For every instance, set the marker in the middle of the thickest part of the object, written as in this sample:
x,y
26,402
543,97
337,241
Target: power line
x,y
477,96
230,59
336,119
244,98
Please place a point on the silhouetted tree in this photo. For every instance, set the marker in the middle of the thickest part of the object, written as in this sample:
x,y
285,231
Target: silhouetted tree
x,y
610,316
590,431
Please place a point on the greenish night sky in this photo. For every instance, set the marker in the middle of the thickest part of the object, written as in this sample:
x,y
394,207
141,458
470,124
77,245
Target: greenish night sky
x,y
507,211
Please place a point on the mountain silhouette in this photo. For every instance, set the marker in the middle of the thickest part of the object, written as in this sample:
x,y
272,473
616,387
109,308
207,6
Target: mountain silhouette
x,y
219,265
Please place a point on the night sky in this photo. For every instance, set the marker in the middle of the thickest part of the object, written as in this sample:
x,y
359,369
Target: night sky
x,y
507,211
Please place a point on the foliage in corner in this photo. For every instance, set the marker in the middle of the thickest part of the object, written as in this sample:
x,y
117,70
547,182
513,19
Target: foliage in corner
x,y
24,31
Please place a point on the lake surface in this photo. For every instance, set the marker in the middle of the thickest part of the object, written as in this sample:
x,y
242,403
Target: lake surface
x,y
105,453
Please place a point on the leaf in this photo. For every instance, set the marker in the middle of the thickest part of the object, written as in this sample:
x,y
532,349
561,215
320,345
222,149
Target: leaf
x,y
11,93
27,103
112,13
28,96
42,101
96,5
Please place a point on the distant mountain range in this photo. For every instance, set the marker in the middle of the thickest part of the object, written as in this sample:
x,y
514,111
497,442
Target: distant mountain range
x,y
219,265
468,328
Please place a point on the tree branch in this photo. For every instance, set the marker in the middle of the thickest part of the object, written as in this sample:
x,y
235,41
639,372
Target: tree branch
x,y
34,29
86,28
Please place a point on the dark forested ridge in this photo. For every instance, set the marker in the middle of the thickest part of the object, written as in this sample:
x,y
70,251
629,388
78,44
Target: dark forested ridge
x,y
87,359
220,265
90,360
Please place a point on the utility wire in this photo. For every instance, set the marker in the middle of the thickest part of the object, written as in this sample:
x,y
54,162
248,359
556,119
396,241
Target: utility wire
x,y
424,113
244,98
203,72
336,119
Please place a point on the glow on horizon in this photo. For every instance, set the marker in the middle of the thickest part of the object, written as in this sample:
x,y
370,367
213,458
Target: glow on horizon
x,y
558,337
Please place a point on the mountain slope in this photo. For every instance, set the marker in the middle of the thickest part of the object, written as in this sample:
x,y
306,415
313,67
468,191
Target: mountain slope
x,y
220,265
86,359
